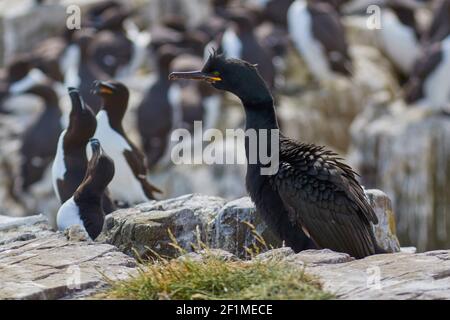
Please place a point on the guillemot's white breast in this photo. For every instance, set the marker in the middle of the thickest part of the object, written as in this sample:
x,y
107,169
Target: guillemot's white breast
x,y
124,186
300,28
68,215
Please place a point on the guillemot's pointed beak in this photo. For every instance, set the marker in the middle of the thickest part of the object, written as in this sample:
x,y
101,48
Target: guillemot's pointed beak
x,y
195,75
77,100
95,146
102,87
97,153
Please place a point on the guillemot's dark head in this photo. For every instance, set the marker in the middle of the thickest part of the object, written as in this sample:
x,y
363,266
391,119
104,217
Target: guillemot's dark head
x,y
111,88
100,169
114,95
164,57
233,75
243,19
112,18
97,151
82,122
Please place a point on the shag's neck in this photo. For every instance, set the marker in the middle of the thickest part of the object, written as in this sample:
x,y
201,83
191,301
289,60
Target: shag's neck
x,y
260,115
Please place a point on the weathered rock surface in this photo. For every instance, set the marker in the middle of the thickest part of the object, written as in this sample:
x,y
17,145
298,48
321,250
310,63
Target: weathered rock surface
x,y
146,227
191,219
21,229
406,153
389,276
230,226
234,227
396,276
36,263
319,257
385,230
217,253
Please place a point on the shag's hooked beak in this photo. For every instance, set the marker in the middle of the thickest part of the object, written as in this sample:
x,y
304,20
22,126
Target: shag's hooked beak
x,y
102,87
195,75
77,100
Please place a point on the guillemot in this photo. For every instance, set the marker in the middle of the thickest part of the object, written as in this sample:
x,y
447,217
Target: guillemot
x,y
39,140
319,37
84,208
429,84
155,112
129,185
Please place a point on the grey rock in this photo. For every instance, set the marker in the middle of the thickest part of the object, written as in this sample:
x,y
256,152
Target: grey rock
x,y
50,267
216,253
398,276
385,230
145,229
193,220
23,229
197,220
235,226
7,222
319,257
408,249
275,254
76,233
405,152
394,276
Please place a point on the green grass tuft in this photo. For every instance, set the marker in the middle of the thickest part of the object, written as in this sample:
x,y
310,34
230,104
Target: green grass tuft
x,y
214,278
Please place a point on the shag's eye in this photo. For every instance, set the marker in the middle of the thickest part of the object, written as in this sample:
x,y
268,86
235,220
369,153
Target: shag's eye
x,y
216,73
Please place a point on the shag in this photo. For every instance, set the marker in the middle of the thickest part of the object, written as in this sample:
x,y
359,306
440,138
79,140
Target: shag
x,y
312,190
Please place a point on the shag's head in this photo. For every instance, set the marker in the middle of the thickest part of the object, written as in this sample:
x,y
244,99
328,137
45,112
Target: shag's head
x,y
236,76
82,121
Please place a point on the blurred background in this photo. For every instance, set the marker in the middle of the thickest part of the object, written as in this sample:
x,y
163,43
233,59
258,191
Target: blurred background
x,y
381,113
